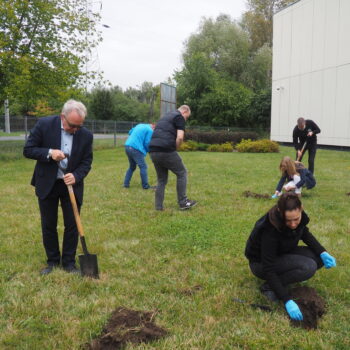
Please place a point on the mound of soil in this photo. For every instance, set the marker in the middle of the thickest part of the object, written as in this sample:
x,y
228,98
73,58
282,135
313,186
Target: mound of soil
x,y
192,290
348,194
255,195
126,326
311,305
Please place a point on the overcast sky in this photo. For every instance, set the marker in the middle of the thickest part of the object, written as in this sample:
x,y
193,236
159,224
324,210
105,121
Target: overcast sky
x,y
145,38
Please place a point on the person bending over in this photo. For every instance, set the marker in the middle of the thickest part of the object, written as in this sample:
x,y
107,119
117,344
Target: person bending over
x,y
306,131
274,254
136,148
166,139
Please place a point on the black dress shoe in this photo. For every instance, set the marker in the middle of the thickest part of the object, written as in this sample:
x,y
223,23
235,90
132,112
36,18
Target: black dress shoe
x,y
48,269
71,269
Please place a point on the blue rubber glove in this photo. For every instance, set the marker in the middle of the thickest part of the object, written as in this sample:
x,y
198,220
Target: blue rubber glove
x,y
274,196
293,311
328,260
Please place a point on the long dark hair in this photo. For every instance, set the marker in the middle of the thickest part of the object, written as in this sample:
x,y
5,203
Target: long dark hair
x,y
287,202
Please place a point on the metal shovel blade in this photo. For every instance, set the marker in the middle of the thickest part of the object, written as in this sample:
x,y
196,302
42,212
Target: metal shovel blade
x,y
88,265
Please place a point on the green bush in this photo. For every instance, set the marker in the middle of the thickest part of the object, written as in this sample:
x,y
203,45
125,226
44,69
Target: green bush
x,y
219,137
260,146
193,146
225,147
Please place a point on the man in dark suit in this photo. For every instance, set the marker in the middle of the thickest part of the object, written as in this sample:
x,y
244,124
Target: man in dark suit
x,y
51,139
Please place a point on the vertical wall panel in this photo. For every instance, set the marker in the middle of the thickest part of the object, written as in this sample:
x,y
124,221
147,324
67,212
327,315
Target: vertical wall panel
x,y
344,32
318,35
306,36
331,33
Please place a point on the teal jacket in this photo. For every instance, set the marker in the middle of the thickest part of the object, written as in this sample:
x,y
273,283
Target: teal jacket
x,y
140,137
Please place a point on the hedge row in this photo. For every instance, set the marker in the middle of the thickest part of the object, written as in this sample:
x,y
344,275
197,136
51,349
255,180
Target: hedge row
x,y
219,137
260,146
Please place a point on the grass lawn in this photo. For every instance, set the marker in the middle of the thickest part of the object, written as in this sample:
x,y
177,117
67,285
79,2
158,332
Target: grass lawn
x,y
146,258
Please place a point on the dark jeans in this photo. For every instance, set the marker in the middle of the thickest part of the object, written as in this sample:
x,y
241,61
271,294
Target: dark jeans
x,y
136,158
48,212
312,154
163,162
297,266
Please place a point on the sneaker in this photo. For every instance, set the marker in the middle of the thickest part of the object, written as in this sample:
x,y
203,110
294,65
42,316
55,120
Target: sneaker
x,y
188,204
266,290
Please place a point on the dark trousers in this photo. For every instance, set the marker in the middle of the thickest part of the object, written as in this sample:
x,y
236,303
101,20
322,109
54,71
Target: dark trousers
x,y
163,162
49,215
296,266
312,154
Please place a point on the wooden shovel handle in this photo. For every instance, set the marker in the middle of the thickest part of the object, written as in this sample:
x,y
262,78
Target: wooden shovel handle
x,y
75,210
302,151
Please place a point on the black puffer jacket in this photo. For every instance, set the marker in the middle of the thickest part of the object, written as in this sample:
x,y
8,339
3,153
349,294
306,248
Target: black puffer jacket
x,y
270,238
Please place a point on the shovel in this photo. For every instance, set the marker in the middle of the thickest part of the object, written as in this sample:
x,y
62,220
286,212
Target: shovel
x,y
88,262
302,151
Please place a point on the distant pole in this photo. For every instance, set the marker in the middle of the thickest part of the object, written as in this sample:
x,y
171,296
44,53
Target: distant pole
x,y
7,116
115,133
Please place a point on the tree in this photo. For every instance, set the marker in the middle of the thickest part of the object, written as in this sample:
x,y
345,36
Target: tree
x,y
224,43
43,47
257,21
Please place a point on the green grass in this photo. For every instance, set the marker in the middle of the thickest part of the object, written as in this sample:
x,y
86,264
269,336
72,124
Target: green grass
x,y
146,257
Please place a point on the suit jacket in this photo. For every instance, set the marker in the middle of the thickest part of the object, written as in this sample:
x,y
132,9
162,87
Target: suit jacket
x,y
46,134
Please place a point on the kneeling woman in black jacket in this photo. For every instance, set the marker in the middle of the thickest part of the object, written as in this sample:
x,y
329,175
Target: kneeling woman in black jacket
x,y
274,255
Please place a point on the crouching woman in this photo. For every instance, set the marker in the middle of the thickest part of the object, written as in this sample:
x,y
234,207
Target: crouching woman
x,y
274,255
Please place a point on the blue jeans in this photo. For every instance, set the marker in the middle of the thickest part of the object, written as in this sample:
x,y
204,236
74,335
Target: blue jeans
x,y
136,158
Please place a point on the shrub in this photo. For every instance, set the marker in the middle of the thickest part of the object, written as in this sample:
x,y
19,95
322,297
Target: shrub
x,y
260,146
225,147
193,146
219,137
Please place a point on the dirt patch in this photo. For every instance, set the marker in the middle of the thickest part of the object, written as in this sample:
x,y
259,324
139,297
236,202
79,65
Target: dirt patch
x,y
311,305
348,194
255,195
192,290
127,326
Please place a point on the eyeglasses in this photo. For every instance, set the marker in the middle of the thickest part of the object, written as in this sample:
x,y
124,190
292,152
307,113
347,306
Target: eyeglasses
x,y
72,126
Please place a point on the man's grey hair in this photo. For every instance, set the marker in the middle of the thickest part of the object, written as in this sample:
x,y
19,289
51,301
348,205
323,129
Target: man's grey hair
x,y
73,105
184,108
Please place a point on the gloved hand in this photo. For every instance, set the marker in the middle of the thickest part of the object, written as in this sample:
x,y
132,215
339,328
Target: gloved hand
x,y
274,196
293,311
328,260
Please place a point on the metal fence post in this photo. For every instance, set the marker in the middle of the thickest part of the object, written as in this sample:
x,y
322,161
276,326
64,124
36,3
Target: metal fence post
x,y
115,133
26,127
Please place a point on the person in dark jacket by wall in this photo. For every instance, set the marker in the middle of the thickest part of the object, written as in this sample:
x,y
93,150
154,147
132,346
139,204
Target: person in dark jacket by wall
x,y
166,139
274,255
51,139
305,131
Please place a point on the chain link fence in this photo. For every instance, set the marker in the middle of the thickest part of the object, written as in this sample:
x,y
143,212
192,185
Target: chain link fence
x,y
105,127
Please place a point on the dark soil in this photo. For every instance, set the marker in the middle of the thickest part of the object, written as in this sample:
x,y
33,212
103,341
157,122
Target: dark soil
x,y
348,194
311,305
255,195
192,290
127,326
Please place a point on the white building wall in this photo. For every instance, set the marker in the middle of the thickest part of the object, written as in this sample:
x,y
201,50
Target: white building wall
x,y
311,70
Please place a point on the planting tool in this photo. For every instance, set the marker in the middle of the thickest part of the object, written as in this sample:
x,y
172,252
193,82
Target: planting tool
x,y
87,261
254,306
303,148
